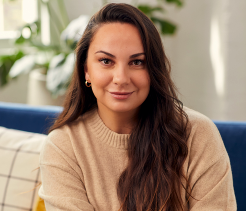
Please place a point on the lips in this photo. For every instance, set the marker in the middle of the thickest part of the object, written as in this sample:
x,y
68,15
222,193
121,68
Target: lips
x,y
121,95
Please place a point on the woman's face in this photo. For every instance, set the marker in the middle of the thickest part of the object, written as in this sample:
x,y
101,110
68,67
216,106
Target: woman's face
x,y
116,68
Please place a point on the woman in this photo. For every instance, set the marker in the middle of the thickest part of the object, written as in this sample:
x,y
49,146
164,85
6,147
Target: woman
x,y
124,140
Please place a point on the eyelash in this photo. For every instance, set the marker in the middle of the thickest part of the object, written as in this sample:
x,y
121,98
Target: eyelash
x,y
103,59
138,60
109,60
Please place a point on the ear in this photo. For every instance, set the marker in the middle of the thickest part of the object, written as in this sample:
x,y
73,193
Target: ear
x,y
87,76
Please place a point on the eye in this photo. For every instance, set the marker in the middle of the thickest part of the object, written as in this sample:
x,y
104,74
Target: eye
x,y
138,62
105,61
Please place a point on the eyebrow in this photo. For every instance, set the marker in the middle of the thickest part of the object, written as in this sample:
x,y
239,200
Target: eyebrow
x,y
111,55
136,55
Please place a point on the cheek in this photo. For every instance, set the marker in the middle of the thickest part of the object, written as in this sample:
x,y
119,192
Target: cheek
x,y
96,75
99,80
143,81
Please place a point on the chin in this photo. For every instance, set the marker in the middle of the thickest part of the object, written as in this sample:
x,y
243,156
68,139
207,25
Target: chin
x,y
119,107
122,108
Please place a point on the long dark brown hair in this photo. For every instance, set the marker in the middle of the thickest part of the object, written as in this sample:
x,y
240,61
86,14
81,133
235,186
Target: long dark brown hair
x,y
157,145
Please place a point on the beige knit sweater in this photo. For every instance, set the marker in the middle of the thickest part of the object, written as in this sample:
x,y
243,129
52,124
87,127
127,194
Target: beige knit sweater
x,y
81,163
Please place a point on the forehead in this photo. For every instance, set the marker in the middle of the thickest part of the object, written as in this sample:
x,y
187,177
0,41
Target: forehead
x,y
117,35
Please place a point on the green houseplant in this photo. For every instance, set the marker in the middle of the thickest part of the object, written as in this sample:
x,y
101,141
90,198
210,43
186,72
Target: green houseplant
x,y
57,59
156,12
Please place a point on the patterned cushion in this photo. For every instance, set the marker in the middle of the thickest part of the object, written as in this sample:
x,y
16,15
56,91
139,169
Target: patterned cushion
x,y
19,172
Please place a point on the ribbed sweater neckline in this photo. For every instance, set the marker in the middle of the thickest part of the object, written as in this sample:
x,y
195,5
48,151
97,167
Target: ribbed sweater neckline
x,y
104,134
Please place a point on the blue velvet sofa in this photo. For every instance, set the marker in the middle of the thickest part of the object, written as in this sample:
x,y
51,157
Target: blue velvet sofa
x,y
38,120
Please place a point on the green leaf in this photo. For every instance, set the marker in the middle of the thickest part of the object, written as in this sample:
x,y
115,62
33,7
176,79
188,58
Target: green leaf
x,y
20,40
35,31
57,61
74,31
166,26
23,65
3,74
18,55
177,2
6,62
59,73
146,9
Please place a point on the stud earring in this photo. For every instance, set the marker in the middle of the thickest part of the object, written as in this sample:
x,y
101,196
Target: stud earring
x,y
87,84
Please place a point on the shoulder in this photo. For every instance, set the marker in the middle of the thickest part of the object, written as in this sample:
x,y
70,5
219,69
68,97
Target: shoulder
x,y
204,138
200,125
66,132
207,166
63,140
199,121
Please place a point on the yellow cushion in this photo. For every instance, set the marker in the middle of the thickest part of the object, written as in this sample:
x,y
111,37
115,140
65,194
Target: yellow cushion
x,y
39,206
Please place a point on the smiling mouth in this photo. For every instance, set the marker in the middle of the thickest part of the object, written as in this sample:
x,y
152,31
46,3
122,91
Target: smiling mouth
x,y
121,95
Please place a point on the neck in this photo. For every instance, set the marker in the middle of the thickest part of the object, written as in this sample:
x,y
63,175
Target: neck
x,y
119,122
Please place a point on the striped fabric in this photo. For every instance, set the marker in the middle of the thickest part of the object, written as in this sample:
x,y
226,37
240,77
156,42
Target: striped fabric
x,y
19,173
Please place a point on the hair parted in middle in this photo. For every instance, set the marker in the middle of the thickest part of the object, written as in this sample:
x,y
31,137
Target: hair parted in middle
x,y
157,146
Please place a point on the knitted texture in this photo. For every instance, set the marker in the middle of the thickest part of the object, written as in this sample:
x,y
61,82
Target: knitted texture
x,y
81,164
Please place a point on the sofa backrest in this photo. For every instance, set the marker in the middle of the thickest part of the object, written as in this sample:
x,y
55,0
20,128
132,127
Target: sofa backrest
x,y
36,119
39,119
234,137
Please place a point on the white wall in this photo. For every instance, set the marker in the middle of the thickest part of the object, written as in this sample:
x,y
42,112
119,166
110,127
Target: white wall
x,y
235,98
209,57
189,52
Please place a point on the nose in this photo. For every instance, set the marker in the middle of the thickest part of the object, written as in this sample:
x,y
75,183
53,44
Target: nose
x,y
121,75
